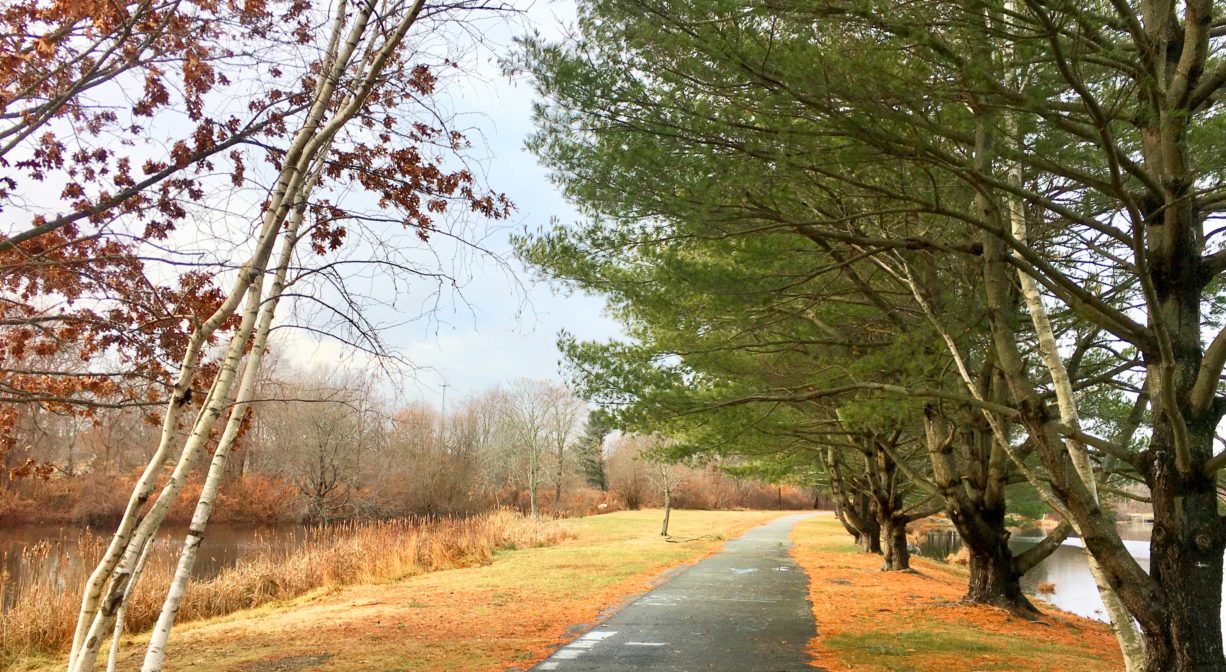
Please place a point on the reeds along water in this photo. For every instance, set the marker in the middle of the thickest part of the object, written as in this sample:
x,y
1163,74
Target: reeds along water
x,y
40,608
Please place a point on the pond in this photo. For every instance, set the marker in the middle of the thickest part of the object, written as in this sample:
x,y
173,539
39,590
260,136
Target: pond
x,y
1066,569
61,557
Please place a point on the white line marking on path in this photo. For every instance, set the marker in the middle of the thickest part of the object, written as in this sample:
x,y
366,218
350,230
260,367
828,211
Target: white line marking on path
x,y
598,635
576,648
646,643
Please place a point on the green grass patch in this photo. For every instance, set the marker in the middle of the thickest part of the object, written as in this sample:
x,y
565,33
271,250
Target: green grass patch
x,y
891,649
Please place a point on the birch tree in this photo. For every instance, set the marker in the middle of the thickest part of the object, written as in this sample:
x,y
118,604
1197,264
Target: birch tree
x,y
363,72
118,119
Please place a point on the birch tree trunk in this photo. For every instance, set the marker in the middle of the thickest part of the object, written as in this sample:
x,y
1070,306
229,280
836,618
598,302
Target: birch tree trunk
x,y
312,142
1121,621
120,618
155,654
102,618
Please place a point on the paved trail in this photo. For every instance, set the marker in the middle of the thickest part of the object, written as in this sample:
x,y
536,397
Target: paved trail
x,y
743,610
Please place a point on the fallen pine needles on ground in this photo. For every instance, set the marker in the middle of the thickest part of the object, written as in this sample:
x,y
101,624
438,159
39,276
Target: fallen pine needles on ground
x,y
874,621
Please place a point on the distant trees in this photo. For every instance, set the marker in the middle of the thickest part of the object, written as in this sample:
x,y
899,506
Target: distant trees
x,y
541,421
567,417
326,444
327,434
525,412
628,473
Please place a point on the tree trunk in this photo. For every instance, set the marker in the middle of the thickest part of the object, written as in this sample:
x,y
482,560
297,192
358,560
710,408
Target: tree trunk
x,y
993,580
155,654
668,509
855,512
1186,549
973,490
858,518
897,555
870,535
888,503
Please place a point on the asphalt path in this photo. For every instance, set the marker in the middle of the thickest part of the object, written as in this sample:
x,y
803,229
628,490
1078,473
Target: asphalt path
x,y
745,609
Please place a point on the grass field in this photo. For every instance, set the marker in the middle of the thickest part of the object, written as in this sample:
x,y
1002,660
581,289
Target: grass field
x,y
514,610
508,613
873,621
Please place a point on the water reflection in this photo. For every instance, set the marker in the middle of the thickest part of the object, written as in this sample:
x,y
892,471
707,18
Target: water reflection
x,y
62,556
1066,569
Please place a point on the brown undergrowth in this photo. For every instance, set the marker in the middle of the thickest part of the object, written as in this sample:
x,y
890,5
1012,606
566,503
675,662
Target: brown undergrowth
x,y
100,498
871,621
41,620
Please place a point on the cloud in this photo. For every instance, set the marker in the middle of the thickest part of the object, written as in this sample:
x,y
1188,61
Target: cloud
x,y
501,328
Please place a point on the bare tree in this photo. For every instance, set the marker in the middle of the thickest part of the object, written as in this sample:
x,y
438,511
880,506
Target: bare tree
x,y
362,73
334,426
564,423
525,409
667,475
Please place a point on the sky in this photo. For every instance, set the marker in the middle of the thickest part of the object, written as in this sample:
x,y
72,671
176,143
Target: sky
x,y
504,323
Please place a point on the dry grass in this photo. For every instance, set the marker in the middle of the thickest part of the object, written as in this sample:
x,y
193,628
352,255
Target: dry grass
x,y
43,614
961,557
513,611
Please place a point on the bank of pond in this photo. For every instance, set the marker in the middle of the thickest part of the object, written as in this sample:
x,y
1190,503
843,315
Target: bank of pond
x,y
1063,579
239,567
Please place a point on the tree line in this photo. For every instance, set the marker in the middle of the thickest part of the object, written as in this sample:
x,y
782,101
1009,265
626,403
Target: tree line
x,y
324,446
945,256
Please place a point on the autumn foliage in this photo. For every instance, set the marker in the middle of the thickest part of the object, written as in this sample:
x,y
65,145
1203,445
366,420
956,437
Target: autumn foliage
x,y
127,132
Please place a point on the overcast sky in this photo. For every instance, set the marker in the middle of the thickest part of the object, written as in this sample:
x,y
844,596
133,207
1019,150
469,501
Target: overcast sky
x,y
505,326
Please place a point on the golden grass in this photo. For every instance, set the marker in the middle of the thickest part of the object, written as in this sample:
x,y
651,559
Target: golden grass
x,y
41,619
873,621
481,618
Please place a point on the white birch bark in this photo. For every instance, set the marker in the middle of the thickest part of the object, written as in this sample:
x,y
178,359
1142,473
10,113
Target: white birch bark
x,y
103,618
133,529
311,143
121,616
155,654
105,571
1122,624
998,430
